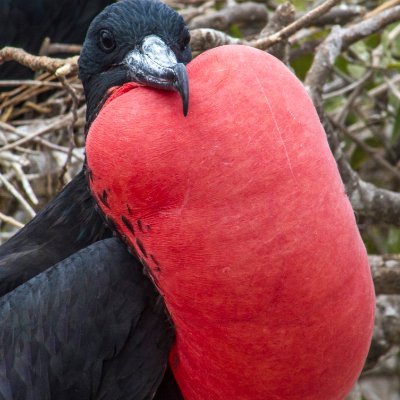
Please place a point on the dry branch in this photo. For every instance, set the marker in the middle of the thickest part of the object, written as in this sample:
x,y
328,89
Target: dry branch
x,y
243,13
386,330
386,4
286,32
37,63
339,15
205,39
339,40
379,205
10,220
191,12
386,274
71,136
283,16
4,181
55,125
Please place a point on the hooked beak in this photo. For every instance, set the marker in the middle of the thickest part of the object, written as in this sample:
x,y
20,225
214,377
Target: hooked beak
x,y
154,64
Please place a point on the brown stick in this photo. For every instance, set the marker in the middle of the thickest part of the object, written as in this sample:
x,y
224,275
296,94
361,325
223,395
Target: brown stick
x,y
37,63
204,39
289,30
283,16
248,12
386,273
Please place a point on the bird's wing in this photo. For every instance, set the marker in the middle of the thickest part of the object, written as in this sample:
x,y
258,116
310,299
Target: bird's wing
x,y
92,327
66,225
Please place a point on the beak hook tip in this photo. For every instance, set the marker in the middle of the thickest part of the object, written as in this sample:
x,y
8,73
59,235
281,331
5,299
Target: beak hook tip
x,y
182,86
185,109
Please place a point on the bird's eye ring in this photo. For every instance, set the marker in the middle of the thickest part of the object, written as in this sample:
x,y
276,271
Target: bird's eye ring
x,y
107,42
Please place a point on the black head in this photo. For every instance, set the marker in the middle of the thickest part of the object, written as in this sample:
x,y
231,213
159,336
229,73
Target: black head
x,y
143,41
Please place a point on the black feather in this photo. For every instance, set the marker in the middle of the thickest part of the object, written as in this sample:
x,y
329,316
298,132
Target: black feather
x,y
90,327
26,23
66,225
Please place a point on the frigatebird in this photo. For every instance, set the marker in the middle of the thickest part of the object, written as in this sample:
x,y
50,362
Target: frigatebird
x,y
50,262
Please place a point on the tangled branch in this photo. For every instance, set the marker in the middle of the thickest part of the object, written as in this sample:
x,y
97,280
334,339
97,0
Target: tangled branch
x,y
376,204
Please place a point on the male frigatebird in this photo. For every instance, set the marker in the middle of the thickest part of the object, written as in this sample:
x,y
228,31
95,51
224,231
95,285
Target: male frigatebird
x,y
141,41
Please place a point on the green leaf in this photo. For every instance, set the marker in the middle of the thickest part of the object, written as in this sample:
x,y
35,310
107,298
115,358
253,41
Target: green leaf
x,y
358,157
301,65
373,40
235,31
342,64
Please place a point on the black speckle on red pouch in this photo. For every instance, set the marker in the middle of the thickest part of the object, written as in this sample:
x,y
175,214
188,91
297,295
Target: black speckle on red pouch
x,y
141,247
103,197
128,224
140,225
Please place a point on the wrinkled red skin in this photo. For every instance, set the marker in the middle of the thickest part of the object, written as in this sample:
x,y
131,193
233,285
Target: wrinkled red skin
x,y
240,214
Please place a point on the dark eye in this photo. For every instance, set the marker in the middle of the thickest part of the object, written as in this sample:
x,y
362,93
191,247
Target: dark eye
x,y
107,42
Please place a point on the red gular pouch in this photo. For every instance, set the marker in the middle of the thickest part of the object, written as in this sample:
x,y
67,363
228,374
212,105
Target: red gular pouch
x,y
239,212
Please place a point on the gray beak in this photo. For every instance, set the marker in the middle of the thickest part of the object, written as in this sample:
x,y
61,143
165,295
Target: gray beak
x,y
154,64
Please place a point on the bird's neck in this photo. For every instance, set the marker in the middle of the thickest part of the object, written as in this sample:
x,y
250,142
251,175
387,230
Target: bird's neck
x,y
97,90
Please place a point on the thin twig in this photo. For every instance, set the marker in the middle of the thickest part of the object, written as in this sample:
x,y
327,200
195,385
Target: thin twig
x,y
235,14
380,205
37,63
25,183
71,135
289,30
384,6
17,195
203,39
55,125
10,220
372,152
43,142
28,82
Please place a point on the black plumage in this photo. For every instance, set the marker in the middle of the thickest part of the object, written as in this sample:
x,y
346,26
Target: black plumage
x,y
66,225
26,23
90,327
62,232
